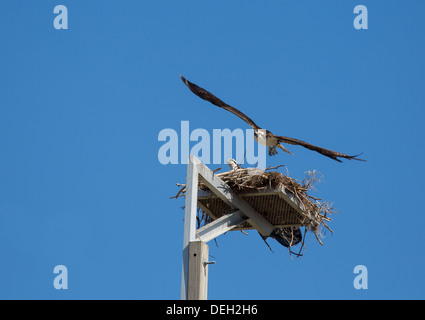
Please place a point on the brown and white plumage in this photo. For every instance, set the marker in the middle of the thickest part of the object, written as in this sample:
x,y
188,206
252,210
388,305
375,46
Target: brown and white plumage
x,y
264,136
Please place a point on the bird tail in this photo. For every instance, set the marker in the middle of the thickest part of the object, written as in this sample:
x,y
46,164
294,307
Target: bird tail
x,y
283,148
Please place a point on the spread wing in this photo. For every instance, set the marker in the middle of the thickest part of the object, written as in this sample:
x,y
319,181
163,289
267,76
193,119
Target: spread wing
x,y
328,153
204,94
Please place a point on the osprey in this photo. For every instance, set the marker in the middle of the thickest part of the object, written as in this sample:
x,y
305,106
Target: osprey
x,y
262,136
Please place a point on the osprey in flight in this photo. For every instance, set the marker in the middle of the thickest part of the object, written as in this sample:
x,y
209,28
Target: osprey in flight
x,y
262,136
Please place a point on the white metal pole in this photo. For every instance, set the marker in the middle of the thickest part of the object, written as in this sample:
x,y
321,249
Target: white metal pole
x,y
197,288
189,233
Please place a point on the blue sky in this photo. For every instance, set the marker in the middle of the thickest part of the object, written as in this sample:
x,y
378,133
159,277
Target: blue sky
x,y
81,109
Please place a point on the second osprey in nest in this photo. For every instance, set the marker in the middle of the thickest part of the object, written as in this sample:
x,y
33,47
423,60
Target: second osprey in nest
x,y
262,136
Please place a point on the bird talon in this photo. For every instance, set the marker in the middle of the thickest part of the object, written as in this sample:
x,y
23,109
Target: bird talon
x,y
272,151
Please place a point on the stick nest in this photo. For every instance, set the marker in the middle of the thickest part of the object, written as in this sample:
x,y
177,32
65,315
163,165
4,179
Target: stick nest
x,y
243,180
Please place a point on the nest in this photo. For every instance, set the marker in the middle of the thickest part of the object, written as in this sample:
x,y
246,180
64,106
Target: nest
x,y
244,180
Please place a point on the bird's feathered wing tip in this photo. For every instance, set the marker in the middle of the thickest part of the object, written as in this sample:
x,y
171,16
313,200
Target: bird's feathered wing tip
x,y
184,80
345,156
208,96
326,152
202,93
355,157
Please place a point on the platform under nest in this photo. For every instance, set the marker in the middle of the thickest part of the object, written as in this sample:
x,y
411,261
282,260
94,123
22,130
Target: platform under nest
x,y
247,180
